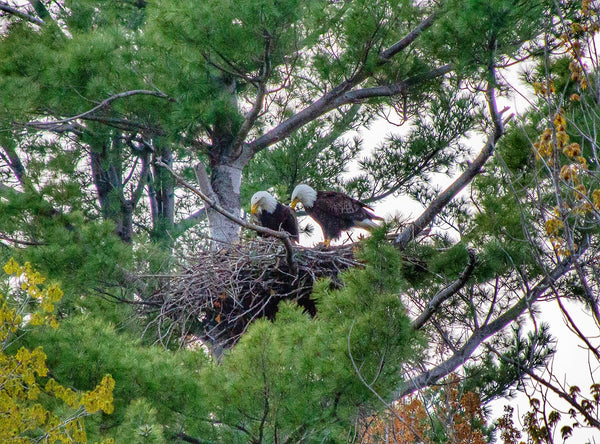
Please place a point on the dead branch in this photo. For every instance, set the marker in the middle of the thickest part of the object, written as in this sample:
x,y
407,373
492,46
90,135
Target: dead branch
x,y
103,104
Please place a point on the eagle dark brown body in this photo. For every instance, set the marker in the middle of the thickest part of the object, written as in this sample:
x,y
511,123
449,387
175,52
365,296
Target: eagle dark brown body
x,y
282,219
333,211
336,212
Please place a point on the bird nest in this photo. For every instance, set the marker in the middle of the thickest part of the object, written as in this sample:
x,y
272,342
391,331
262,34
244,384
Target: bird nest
x,y
219,293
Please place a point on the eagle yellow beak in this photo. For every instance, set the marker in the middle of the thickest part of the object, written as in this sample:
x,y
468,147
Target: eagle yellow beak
x,y
254,209
294,203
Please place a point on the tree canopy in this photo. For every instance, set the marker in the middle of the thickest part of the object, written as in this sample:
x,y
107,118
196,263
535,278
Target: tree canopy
x,y
133,133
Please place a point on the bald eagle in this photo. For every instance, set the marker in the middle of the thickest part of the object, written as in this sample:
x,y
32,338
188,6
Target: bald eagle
x,y
334,211
271,214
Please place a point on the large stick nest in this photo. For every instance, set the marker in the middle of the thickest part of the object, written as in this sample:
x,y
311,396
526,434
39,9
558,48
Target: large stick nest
x,y
219,293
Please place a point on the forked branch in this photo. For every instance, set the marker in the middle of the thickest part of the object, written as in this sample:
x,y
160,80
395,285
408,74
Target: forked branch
x,y
461,355
342,94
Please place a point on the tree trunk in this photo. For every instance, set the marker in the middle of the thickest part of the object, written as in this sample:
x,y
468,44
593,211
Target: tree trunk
x,y
107,177
161,193
225,181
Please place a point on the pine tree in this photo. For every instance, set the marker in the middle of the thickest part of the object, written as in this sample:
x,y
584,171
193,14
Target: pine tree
x,y
106,109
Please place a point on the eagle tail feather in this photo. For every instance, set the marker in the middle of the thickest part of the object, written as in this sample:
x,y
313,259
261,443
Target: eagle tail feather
x,y
367,224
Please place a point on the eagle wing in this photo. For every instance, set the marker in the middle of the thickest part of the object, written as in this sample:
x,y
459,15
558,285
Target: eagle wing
x,y
282,219
343,206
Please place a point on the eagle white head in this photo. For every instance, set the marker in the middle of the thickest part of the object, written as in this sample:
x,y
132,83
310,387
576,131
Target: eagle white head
x,y
262,200
305,195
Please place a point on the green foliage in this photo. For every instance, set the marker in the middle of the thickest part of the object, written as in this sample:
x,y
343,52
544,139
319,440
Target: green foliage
x,y
504,225
306,379
476,32
515,148
157,387
431,146
140,425
200,65
502,375
86,254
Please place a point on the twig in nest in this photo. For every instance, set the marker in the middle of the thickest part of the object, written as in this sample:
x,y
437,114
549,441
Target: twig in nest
x,y
221,293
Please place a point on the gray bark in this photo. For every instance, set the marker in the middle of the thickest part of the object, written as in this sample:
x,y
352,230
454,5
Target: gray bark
x,y
225,181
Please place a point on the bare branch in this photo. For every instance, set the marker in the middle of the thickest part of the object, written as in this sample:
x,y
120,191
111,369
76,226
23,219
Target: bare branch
x,y
14,161
446,293
30,18
557,390
570,399
389,407
573,326
187,438
21,242
429,377
104,103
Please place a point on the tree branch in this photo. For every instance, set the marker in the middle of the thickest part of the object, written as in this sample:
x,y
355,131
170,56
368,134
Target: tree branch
x,y
211,203
557,390
474,168
258,101
429,377
573,326
15,164
187,438
361,95
561,393
104,103
333,98
387,405
446,293
408,39
191,220
21,242
204,182
30,18
143,179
